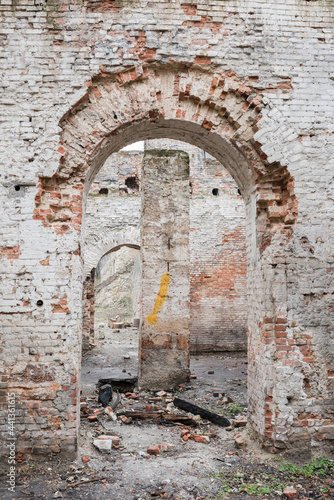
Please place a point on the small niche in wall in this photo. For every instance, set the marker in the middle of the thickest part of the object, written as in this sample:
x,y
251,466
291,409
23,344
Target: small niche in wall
x,y
132,183
103,191
215,191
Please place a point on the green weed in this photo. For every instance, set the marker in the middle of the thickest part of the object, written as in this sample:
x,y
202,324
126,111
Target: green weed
x,y
261,479
235,408
320,466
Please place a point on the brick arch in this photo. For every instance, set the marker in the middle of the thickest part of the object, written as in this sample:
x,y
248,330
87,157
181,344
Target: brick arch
x,y
222,114
213,109
108,242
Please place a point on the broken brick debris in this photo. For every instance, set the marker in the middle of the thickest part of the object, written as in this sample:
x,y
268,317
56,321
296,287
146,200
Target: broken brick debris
x,y
153,450
290,492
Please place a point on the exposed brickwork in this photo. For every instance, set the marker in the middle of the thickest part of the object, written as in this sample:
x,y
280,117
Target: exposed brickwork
x,y
10,253
250,84
217,245
218,282
232,120
113,220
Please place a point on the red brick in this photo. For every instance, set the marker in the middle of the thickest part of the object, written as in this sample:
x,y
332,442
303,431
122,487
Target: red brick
x,y
290,492
153,450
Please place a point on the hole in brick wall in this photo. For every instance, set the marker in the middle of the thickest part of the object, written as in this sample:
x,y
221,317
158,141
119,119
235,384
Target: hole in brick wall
x,y
17,188
39,303
103,191
215,191
306,384
132,183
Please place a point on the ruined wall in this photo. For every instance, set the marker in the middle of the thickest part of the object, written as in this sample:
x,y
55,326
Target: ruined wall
x,y
217,244
218,263
113,207
251,83
217,249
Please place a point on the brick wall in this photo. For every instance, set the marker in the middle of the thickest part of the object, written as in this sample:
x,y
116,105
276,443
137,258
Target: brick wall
x,y
218,280
249,83
217,245
113,209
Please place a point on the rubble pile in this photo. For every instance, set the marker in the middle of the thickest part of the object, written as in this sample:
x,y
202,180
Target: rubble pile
x,y
104,409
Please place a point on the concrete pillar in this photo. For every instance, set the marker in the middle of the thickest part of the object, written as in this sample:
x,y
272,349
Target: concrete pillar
x,y
164,333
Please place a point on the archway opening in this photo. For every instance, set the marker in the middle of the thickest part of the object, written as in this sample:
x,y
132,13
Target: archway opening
x,y
220,114
117,288
217,274
111,352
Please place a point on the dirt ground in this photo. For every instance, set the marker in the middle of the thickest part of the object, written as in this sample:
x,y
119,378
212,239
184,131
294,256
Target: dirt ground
x,y
219,467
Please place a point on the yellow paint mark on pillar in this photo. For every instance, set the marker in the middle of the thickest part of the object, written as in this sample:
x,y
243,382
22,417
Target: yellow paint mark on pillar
x,y
152,318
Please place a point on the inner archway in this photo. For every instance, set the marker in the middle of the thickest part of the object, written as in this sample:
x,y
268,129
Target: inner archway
x,y
220,114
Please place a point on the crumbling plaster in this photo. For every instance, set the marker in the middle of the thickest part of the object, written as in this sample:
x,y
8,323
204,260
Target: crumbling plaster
x,y
251,83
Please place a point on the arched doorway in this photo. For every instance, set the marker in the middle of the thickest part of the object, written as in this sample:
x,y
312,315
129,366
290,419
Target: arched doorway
x,y
99,289
220,114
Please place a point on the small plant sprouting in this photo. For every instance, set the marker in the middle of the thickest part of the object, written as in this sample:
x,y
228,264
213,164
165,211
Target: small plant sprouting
x,y
235,408
320,466
252,479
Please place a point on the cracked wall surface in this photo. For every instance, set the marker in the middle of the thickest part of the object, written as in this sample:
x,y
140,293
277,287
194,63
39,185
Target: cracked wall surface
x,y
249,82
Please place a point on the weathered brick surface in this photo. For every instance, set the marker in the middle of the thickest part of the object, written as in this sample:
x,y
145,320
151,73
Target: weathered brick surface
x,y
218,310
112,220
217,248
164,331
218,284
251,83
